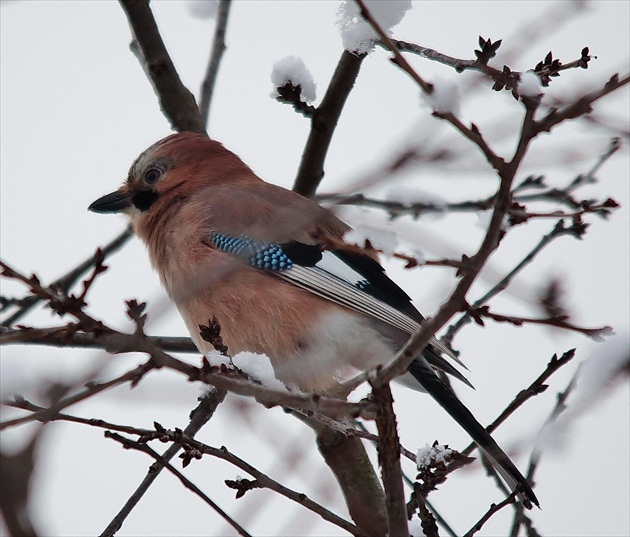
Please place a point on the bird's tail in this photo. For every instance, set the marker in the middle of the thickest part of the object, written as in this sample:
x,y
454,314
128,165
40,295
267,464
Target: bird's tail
x,y
444,395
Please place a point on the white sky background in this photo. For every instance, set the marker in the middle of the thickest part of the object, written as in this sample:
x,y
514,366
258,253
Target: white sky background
x,y
77,109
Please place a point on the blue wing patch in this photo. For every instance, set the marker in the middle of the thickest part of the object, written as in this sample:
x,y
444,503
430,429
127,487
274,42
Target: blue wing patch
x,y
262,255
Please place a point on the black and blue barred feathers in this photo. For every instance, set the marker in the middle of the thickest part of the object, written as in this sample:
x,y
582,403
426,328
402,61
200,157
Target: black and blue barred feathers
x,y
262,255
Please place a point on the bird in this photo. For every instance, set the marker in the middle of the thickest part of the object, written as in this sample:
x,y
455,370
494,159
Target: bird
x,y
272,268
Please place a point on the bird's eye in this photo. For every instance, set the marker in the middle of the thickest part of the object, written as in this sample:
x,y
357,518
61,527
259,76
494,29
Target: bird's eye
x,y
152,175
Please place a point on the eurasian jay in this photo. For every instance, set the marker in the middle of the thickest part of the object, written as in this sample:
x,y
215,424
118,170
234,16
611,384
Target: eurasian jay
x,y
272,268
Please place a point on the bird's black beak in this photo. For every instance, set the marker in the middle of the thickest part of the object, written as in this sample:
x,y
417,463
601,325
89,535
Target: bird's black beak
x,y
111,203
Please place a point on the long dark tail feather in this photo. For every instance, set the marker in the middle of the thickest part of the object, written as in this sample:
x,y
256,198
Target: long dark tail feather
x,y
422,372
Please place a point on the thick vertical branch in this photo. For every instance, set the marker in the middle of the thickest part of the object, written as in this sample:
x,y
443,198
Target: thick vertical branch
x,y
389,459
176,101
349,462
324,122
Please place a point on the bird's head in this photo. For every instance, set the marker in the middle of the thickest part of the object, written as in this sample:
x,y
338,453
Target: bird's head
x,y
179,165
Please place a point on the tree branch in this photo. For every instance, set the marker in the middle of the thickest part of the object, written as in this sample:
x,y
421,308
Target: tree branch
x,y
535,388
389,459
130,444
347,459
218,48
323,124
457,299
194,449
176,101
66,282
198,418
558,231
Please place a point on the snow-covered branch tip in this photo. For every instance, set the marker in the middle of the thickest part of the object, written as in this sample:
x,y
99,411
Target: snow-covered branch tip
x,y
293,84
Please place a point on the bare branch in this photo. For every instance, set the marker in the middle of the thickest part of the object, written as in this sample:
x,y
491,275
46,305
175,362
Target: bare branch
x,y
559,230
50,413
67,336
176,101
17,471
194,449
494,508
581,106
389,459
66,282
218,48
535,388
543,70
559,321
520,518
198,418
346,456
130,444
324,122
456,301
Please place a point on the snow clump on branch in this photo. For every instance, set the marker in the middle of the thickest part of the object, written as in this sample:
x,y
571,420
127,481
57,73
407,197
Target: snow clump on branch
x,y
444,98
356,33
293,71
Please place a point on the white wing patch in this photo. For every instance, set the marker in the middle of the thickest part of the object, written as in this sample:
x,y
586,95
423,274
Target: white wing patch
x,y
335,280
333,265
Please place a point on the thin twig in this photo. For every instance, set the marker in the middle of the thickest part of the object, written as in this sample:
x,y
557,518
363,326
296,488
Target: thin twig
x,y
473,134
520,517
298,497
194,449
456,301
23,404
415,209
218,48
50,413
66,336
535,388
557,321
494,508
66,282
198,418
581,106
558,231
502,202
475,65
130,444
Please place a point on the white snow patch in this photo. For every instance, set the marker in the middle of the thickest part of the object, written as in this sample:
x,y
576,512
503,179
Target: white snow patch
x,y
429,454
356,34
444,98
529,85
257,366
293,70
